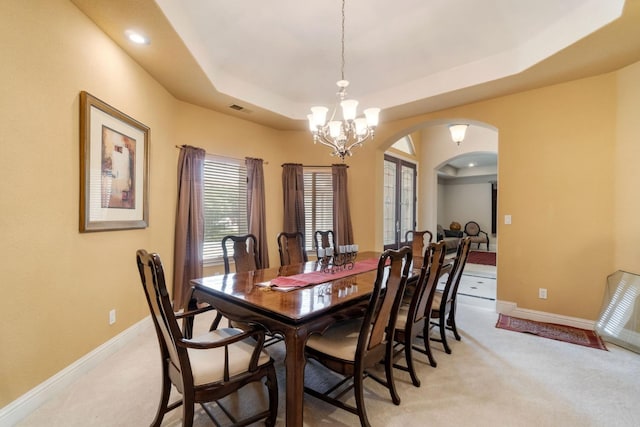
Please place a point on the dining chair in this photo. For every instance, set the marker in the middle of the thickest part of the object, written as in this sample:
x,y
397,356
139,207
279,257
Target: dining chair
x,y
352,347
418,239
443,308
206,368
291,248
245,258
245,255
414,317
324,239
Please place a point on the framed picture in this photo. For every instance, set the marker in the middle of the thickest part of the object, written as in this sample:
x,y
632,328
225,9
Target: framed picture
x,y
114,159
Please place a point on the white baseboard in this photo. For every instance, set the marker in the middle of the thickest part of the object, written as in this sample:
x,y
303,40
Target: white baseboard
x,y
511,309
34,398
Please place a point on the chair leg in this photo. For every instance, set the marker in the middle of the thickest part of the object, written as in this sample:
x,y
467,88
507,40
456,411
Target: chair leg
x,y
451,322
427,344
187,411
164,400
408,352
272,386
443,333
358,391
388,369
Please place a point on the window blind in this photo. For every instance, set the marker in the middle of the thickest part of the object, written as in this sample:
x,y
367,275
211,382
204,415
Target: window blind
x,y
224,204
318,203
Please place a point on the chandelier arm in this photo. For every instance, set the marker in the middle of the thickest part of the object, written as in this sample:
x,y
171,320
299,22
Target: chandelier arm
x,y
359,142
324,141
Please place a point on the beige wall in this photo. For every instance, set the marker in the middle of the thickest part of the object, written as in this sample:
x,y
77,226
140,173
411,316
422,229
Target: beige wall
x,y
58,284
566,169
626,223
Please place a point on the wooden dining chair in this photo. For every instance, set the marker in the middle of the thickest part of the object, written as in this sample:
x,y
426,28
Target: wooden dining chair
x,y
324,239
414,317
245,255
291,248
206,368
419,240
245,258
443,308
352,347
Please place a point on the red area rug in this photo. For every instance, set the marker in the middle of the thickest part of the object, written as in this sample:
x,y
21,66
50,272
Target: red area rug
x,y
485,258
553,331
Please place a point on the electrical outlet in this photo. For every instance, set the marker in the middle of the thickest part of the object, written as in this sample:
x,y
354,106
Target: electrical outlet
x,y
542,293
112,316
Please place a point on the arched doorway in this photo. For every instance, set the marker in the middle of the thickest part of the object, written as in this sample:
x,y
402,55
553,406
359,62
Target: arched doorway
x,y
440,159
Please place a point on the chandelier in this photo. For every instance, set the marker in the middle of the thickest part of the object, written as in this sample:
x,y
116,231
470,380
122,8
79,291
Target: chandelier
x,y
350,132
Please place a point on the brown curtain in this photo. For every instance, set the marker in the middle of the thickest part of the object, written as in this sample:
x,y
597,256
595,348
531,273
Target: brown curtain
x,y
189,232
293,194
256,208
341,213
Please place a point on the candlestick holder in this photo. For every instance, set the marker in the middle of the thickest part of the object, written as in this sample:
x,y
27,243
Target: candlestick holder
x,y
344,259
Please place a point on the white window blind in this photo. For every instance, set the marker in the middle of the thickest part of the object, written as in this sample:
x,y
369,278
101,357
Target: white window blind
x,y
318,203
225,203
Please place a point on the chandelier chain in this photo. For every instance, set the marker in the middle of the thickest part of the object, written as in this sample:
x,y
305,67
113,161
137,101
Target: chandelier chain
x,y
342,42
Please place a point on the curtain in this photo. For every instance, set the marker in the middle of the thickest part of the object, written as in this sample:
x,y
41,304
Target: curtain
x,y
189,231
256,216
341,213
293,194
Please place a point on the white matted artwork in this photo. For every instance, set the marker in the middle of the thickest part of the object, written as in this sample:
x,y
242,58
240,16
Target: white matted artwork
x,y
113,167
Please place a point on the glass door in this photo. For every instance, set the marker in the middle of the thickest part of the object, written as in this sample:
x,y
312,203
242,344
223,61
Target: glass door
x,y
399,201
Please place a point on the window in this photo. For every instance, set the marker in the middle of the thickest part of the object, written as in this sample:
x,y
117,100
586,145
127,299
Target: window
x,y
224,204
399,201
405,144
318,203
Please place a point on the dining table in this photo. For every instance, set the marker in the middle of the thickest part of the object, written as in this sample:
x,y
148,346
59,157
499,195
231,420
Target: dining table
x,y
311,297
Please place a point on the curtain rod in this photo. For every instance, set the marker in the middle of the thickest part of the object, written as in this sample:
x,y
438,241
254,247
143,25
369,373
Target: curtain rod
x,y
316,166
225,157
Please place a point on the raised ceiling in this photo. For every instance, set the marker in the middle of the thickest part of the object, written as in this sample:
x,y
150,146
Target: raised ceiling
x,y
278,58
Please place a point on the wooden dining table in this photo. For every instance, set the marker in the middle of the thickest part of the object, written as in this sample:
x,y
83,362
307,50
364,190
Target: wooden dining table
x,y
295,314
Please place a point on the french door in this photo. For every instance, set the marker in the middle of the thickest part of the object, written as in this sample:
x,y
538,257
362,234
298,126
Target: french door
x,y
399,201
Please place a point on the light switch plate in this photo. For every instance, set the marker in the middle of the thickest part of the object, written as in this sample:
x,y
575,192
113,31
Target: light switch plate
x,y
507,219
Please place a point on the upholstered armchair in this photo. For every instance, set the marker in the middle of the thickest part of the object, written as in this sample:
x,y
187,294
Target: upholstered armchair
x,y
472,229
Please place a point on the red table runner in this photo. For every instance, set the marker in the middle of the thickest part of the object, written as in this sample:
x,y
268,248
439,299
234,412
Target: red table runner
x,y
317,277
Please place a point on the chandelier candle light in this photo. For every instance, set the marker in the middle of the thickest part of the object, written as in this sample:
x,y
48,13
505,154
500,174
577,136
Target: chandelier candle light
x,y
350,132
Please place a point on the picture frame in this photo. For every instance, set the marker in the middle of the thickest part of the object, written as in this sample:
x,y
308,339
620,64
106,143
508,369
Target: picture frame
x,y
114,168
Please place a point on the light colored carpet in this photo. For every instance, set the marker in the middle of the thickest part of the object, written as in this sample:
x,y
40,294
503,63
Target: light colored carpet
x,y
493,378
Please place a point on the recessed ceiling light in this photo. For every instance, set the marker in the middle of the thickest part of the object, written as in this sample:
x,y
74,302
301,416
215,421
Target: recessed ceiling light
x,y
136,37
471,165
